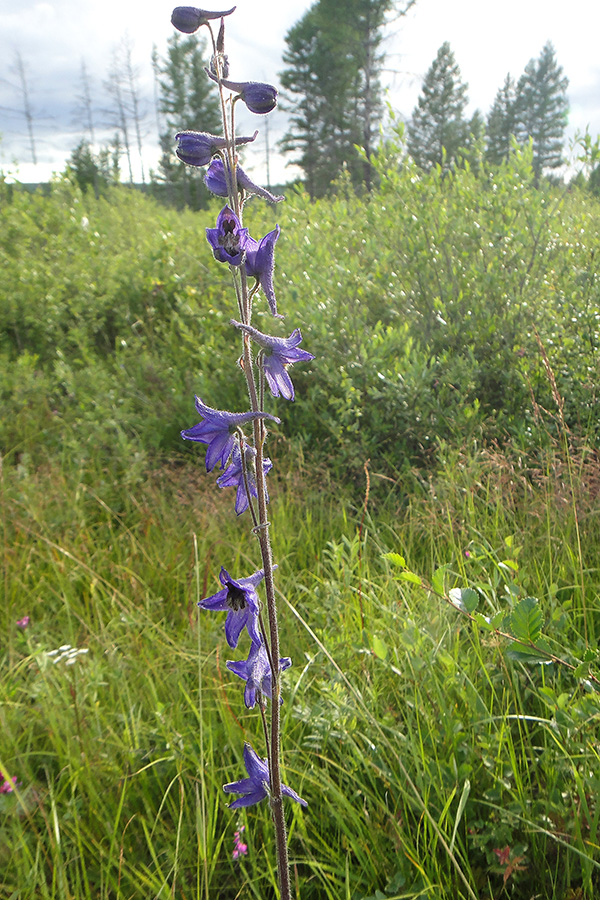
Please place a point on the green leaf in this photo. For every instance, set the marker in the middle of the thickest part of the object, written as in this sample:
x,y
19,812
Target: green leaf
x,y
437,581
465,598
395,559
526,621
537,656
379,647
582,670
483,621
410,576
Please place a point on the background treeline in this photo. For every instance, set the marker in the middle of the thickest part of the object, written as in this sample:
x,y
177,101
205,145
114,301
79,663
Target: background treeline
x,y
332,92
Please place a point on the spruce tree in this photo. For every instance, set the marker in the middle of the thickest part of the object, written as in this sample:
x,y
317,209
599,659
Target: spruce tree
x,y
332,88
438,130
187,101
501,123
541,109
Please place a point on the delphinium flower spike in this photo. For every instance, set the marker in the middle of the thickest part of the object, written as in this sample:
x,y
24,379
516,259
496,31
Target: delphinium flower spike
x,y
257,786
239,599
278,354
241,455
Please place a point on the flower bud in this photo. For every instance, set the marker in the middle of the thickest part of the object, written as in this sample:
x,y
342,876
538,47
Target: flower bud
x,y
216,182
197,148
189,19
260,98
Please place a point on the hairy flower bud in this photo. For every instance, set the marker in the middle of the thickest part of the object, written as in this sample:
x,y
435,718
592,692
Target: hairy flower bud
x,y
260,98
189,19
216,182
197,148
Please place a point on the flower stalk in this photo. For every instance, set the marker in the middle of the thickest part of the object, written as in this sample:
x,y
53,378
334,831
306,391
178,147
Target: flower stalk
x,y
242,457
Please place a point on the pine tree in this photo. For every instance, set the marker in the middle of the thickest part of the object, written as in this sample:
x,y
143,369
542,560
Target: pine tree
x,y
332,88
438,130
187,100
501,123
541,109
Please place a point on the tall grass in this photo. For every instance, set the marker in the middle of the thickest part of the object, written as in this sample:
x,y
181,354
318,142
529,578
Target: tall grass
x,y
433,765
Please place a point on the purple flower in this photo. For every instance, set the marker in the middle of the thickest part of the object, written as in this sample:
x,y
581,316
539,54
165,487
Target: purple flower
x,y
7,787
189,19
216,182
233,476
256,672
228,240
260,264
240,600
278,354
256,787
260,98
197,148
23,623
217,430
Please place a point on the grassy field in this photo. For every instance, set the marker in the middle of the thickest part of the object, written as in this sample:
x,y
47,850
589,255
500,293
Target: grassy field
x,y
439,757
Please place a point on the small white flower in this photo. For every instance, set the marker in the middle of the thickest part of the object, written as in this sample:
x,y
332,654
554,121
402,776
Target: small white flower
x,y
67,653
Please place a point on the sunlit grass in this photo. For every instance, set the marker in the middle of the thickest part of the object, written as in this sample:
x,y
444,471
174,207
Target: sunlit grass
x,y
433,766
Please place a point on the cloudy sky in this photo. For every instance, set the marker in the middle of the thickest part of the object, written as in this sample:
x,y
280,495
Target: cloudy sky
x,y
52,38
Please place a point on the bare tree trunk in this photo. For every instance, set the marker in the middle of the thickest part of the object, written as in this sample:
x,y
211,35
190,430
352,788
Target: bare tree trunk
x,y
26,104
114,85
132,77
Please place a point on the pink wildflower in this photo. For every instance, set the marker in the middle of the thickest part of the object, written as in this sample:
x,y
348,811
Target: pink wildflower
x,y
23,623
7,787
239,848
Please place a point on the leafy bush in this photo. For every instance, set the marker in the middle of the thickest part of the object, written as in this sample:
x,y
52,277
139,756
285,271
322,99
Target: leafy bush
x,y
437,308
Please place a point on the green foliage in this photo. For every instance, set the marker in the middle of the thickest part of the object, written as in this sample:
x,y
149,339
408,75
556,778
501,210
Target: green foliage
x,y
404,727
90,170
534,110
424,307
429,755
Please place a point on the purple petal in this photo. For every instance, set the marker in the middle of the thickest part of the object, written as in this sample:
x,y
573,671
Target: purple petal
x,y
234,625
288,792
248,800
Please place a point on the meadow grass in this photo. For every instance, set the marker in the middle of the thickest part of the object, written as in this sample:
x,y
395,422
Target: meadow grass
x,y
434,766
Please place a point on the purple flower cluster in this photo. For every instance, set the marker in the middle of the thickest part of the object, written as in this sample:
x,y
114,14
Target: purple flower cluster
x,y
239,599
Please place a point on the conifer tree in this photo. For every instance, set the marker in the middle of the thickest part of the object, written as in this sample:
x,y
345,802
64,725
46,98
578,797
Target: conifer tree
x,y
501,123
541,109
187,101
333,90
438,130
